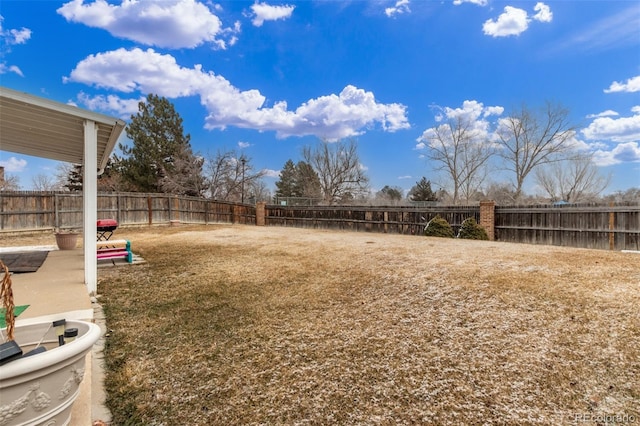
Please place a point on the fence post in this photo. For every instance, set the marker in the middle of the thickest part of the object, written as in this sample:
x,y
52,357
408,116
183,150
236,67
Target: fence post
x,y
612,227
150,210
260,213
236,214
487,218
176,208
56,214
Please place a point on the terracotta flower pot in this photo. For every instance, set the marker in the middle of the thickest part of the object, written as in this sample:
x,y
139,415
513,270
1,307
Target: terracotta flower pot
x,y
66,240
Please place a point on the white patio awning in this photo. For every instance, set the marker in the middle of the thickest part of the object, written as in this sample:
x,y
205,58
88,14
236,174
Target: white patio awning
x,y
39,127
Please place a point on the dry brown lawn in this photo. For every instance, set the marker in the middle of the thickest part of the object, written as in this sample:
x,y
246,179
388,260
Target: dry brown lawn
x,y
252,325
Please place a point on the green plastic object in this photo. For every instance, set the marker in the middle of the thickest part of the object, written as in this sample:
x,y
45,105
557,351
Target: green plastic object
x,y
17,310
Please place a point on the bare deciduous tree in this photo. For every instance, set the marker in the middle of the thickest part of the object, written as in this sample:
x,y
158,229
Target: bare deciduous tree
x,y
8,183
461,151
530,139
258,191
500,192
186,178
339,169
43,182
630,195
230,176
573,180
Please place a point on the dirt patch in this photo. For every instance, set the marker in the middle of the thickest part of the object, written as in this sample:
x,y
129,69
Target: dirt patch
x,y
261,325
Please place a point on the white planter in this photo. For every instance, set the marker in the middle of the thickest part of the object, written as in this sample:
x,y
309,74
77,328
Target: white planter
x,y
40,389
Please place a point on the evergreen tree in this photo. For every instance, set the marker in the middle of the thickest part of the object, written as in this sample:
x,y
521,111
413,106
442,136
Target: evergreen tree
x,y
298,180
307,181
389,193
74,179
286,186
422,191
158,142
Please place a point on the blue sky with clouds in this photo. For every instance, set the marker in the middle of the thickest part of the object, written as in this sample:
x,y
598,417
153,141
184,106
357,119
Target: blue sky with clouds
x,y
268,77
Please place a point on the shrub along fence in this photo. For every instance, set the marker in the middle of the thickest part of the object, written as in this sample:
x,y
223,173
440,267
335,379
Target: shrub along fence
x,y
613,227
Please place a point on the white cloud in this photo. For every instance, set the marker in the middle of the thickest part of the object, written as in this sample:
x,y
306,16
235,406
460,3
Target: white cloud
x,y
494,110
607,113
472,112
343,115
405,177
271,173
628,152
19,36
13,36
580,145
619,130
331,116
14,164
622,133
514,21
4,68
631,85
264,12
113,104
478,2
401,6
242,145
163,23
10,38
544,12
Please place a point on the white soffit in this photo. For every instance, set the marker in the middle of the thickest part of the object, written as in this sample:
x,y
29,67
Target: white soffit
x,y
39,127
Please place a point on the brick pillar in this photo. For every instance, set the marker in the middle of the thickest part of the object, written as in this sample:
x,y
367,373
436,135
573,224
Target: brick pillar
x,y
487,218
260,213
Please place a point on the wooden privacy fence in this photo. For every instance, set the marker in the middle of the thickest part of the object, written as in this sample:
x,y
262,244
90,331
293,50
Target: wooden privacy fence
x,y
48,210
397,220
613,227
139,209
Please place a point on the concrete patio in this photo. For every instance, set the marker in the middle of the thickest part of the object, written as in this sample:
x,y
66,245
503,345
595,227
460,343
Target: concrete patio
x,y
57,291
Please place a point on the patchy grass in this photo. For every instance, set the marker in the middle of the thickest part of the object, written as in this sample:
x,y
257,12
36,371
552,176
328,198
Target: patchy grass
x,y
251,325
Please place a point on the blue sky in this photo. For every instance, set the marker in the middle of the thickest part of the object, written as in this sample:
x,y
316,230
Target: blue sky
x,y
267,78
